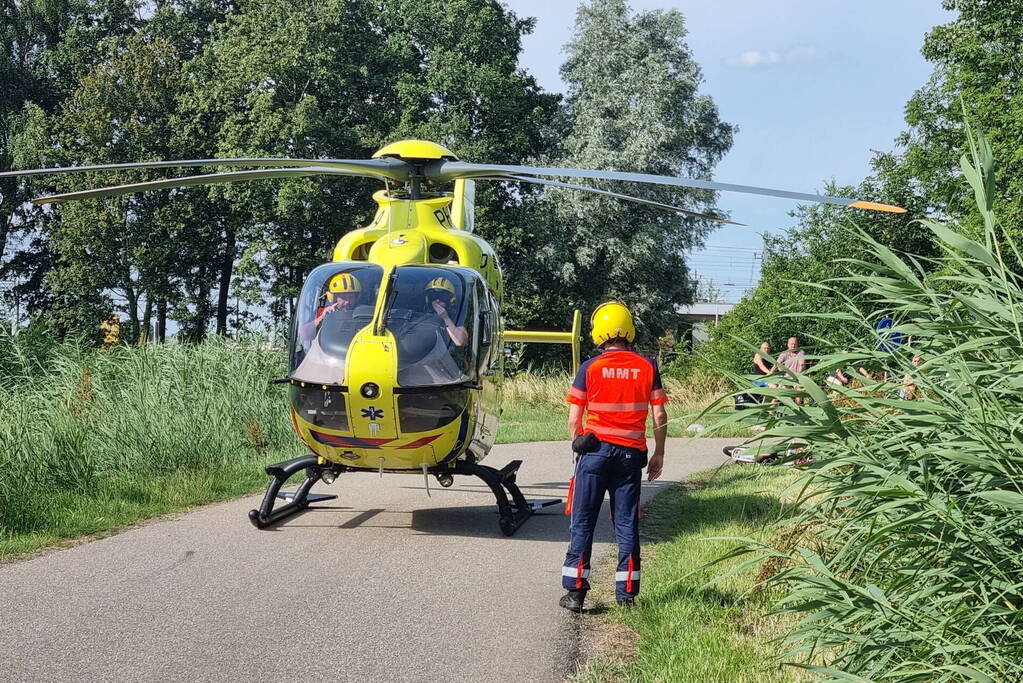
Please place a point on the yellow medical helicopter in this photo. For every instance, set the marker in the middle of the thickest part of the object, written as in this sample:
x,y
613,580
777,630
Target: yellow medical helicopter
x,y
396,348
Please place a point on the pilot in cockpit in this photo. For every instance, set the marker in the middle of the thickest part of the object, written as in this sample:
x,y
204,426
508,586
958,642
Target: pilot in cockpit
x,y
342,295
440,297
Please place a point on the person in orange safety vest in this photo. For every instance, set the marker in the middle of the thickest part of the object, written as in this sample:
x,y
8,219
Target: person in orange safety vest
x,y
616,390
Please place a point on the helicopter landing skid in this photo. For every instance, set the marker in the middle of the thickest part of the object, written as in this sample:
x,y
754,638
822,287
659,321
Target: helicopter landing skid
x,y
512,513
297,500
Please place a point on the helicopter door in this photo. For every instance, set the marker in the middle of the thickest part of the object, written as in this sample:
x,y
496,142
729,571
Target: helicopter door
x,y
490,373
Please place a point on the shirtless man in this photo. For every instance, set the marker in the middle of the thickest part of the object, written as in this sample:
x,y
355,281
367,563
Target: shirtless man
x,y
794,359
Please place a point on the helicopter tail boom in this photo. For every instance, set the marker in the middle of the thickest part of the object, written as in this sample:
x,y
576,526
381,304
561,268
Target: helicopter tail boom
x,y
533,337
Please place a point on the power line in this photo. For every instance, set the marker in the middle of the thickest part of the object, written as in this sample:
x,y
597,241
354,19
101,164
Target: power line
x,y
722,247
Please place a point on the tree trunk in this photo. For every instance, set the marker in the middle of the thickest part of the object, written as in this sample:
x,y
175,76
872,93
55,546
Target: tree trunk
x,y
5,230
202,311
133,313
161,321
226,269
147,319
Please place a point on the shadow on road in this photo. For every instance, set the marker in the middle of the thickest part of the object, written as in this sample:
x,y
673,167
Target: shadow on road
x,y
475,521
480,521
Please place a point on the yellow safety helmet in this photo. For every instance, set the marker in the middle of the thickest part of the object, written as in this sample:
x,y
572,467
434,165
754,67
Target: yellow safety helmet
x,y
442,284
343,283
612,320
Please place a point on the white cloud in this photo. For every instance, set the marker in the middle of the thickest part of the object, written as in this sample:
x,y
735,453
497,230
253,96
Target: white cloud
x,y
806,53
759,59
752,59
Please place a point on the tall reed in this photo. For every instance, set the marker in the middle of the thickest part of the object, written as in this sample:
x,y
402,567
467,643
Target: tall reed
x,y
904,552
77,423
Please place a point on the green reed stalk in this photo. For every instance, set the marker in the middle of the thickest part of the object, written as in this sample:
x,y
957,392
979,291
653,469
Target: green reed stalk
x,y
903,555
85,432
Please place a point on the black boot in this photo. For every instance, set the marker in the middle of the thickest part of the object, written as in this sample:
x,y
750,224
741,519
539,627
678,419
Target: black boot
x,y
573,600
627,602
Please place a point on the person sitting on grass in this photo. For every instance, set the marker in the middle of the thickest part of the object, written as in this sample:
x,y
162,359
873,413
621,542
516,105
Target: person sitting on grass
x,y
909,390
839,377
794,359
762,365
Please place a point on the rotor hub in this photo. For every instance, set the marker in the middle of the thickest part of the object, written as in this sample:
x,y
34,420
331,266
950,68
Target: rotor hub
x,y
414,150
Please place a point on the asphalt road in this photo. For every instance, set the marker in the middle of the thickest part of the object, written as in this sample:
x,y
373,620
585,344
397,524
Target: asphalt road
x,y
382,584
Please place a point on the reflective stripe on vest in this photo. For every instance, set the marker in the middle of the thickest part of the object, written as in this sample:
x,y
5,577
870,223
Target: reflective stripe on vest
x,y
601,430
616,407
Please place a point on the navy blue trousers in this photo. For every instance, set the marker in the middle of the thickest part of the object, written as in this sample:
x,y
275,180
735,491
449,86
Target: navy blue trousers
x,y
617,470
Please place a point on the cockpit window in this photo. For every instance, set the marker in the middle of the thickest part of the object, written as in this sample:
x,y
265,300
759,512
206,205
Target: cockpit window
x,y
336,302
431,313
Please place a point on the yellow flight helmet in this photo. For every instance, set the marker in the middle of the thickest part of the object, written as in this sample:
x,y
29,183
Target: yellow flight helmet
x,y
442,284
612,320
343,283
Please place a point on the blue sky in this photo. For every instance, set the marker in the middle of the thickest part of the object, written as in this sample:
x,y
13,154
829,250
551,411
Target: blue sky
x,y
813,86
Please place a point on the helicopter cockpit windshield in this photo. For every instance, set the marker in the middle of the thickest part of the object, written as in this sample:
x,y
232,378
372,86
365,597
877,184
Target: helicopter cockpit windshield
x,y
336,302
430,312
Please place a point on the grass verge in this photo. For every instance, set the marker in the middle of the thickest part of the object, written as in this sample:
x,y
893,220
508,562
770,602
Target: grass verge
x,y
93,441
682,629
535,409
126,498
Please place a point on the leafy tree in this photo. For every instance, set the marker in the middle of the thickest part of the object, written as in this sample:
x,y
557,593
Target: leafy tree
x,y
27,31
205,78
977,72
198,78
120,112
812,253
284,79
459,84
632,105
340,79
46,44
128,76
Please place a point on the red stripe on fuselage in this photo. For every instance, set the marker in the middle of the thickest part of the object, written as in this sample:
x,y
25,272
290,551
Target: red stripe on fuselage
x,y
420,442
348,441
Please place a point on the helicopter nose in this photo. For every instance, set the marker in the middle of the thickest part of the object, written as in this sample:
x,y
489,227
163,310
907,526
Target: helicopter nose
x,y
372,369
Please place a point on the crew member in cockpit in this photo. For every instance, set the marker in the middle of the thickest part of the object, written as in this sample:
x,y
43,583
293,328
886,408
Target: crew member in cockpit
x,y
440,295
342,295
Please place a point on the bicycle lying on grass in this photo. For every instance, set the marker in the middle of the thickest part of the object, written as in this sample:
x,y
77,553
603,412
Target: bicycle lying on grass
x,y
769,454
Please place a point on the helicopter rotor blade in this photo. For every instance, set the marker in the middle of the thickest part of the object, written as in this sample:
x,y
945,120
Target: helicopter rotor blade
x,y
607,193
207,179
388,168
445,170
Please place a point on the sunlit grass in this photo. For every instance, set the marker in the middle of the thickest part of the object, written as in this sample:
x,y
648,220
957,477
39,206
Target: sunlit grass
x,y
535,408
682,629
90,441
